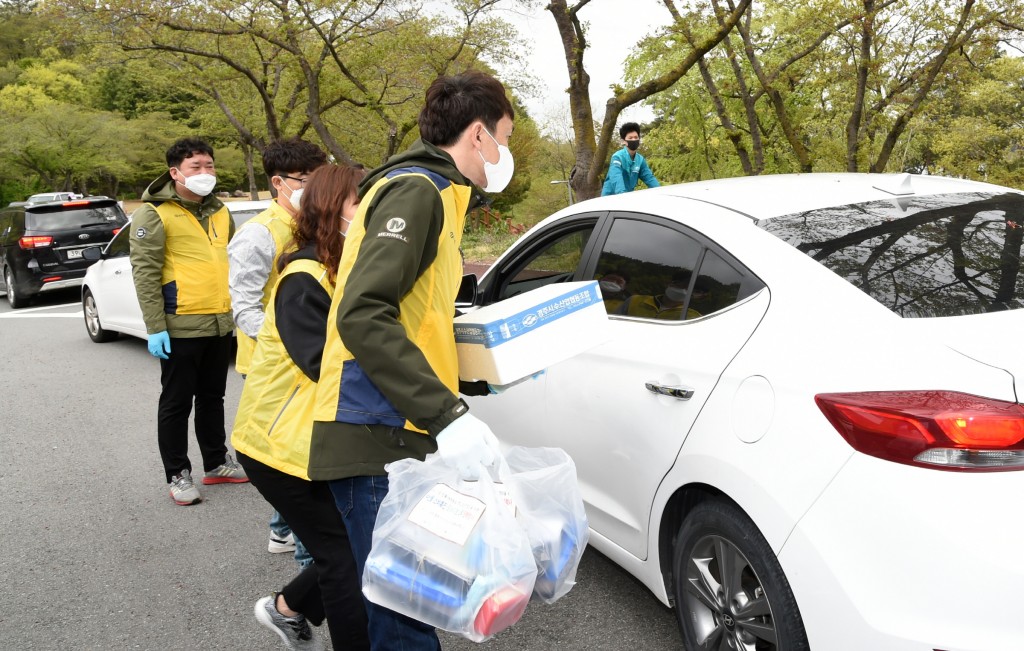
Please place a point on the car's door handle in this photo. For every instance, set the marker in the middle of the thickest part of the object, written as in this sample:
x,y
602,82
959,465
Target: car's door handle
x,y
682,393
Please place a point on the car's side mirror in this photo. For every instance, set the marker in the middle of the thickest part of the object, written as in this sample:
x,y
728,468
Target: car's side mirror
x,y
92,253
467,291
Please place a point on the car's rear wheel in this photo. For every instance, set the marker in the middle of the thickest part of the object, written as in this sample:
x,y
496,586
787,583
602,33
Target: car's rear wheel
x,y
15,298
92,320
731,593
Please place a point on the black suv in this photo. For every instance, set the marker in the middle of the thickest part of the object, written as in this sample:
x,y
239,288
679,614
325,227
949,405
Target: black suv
x,y
41,243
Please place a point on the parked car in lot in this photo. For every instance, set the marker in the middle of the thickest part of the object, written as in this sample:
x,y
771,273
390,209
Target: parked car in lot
x,y
109,302
819,444
53,196
41,244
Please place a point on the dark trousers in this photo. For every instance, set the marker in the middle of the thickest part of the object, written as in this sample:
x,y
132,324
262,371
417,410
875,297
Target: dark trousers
x,y
196,371
308,508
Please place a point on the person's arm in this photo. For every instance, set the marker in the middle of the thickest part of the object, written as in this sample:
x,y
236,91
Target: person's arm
x,y
646,175
615,175
146,251
250,257
386,268
301,307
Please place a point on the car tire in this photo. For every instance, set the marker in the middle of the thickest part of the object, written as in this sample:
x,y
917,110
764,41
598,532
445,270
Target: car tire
x,y
756,609
92,320
16,299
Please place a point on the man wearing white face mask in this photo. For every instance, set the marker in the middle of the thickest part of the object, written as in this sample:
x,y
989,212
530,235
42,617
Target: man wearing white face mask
x,y
178,246
389,381
252,260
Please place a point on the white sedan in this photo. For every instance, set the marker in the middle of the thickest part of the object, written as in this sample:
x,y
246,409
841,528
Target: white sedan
x,y
109,302
805,431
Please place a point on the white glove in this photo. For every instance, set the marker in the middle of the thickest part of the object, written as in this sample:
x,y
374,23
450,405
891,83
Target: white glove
x,y
466,444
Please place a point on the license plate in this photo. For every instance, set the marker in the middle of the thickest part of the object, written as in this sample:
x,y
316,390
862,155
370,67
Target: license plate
x,y
74,253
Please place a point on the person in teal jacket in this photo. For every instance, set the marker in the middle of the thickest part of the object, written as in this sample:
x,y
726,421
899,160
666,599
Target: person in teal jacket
x,y
627,164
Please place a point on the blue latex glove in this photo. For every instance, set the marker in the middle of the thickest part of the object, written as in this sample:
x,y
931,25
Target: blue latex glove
x,y
160,344
466,444
501,388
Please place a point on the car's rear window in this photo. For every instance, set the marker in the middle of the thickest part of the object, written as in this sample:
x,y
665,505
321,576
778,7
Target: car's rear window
x,y
61,219
930,256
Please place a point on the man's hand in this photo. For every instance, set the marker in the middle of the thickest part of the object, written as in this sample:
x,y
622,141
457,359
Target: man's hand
x,y
160,344
466,444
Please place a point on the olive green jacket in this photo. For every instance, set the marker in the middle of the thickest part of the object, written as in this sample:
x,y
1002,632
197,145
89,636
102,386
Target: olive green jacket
x,y
146,242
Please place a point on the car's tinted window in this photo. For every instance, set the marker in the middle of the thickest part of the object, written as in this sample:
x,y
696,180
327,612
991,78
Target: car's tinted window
x,y
654,262
56,220
554,262
242,216
929,256
118,247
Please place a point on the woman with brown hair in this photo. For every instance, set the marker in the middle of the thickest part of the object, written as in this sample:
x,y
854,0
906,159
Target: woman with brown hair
x,y
274,421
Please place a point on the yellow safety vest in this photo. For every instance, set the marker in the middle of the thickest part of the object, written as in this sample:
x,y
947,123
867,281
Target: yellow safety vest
x,y
274,422
279,222
345,394
194,278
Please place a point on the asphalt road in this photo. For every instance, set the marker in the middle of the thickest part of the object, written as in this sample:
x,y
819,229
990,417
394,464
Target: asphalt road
x,y
94,555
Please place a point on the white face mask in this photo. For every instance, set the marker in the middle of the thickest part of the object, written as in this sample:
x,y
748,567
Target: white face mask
x,y
201,184
500,173
295,198
610,287
675,294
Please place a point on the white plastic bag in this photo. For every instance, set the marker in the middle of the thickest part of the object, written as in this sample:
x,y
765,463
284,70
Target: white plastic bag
x,y
449,552
543,485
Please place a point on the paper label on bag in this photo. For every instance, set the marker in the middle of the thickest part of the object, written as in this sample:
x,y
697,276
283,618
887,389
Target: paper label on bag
x,y
447,513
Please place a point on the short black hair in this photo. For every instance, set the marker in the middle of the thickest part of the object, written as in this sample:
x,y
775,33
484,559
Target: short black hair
x,y
454,102
187,148
629,128
292,156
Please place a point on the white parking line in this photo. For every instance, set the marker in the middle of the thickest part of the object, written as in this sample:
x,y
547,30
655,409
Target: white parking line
x,y
40,313
57,315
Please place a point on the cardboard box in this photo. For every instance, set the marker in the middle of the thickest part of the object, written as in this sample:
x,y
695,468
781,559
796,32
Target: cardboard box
x,y
515,338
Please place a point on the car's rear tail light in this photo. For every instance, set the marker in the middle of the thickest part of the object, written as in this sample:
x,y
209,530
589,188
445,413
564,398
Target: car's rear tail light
x,y
932,429
50,279
35,241
117,230
68,204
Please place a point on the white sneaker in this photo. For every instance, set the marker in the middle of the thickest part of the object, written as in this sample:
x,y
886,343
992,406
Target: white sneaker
x,y
183,489
293,631
278,545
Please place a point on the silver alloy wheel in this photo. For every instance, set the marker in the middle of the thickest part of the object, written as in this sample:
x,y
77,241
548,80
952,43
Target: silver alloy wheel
x,y
9,286
726,600
92,315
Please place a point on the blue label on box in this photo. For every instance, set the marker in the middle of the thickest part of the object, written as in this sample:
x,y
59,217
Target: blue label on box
x,y
498,332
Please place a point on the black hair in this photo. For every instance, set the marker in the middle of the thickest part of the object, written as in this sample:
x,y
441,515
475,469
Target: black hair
x,y
629,128
292,156
187,148
454,102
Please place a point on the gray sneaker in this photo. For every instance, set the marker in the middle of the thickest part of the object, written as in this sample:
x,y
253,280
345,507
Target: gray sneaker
x,y
183,491
293,631
229,472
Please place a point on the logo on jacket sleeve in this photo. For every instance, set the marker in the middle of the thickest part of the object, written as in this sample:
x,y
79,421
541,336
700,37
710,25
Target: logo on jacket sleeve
x,y
394,227
141,233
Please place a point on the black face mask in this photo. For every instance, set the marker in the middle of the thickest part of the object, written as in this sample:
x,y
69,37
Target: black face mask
x,y
633,144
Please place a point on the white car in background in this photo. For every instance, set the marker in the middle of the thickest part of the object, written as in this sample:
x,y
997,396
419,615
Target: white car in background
x,y
822,445
109,302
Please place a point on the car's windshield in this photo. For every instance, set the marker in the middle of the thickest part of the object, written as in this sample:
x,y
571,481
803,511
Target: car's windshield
x,y
82,217
928,256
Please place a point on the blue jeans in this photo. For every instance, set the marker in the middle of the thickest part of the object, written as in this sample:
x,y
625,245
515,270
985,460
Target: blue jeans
x,y
281,529
358,500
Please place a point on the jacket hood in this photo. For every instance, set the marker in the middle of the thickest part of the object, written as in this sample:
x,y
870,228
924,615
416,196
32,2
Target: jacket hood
x,y
425,155
162,189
